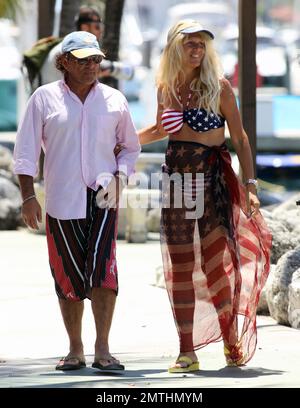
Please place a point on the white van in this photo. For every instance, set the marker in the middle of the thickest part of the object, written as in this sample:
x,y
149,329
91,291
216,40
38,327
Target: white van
x,y
10,76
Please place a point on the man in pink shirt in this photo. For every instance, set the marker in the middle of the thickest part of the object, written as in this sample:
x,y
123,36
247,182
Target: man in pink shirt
x,y
78,122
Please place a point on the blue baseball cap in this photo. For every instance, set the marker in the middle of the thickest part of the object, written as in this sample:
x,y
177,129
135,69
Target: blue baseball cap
x,y
81,44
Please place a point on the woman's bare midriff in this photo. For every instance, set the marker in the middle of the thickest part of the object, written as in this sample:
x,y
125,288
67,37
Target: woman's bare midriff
x,y
214,137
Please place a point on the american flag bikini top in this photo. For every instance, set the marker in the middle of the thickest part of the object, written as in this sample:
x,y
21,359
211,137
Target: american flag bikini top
x,y
197,119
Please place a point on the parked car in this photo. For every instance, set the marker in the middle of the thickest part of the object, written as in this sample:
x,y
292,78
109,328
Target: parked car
x,y
10,74
294,63
271,58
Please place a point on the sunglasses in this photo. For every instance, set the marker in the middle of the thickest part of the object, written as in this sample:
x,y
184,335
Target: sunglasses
x,y
96,59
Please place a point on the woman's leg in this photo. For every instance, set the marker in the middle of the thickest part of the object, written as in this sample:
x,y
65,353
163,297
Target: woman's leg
x,y
179,260
218,266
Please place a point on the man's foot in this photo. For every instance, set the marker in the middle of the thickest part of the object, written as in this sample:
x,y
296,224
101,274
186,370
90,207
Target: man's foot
x,y
107,363
70,363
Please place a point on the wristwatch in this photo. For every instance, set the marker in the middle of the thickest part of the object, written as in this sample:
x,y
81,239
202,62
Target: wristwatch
x,y
251,181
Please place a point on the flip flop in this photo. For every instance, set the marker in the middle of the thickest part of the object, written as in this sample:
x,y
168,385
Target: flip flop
x,y
65,365
108,367
191,366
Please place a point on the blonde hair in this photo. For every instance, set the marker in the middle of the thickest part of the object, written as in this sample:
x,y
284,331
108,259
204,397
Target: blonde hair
x,y
171,73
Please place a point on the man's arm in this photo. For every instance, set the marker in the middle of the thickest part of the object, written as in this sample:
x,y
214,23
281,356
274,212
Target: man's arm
x,y
26,155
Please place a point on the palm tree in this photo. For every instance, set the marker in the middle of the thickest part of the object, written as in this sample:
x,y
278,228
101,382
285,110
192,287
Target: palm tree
x,y
69,10
111,38
9,8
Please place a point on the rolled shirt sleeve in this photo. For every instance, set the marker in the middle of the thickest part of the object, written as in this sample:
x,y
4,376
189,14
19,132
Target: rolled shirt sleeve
x,y
29,139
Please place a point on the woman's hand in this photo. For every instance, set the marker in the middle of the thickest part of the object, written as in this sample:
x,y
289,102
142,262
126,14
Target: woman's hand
x,y
109,197
118,148
252,200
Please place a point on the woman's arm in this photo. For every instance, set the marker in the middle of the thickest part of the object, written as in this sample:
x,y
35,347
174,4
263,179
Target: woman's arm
x,y
155,132
238,137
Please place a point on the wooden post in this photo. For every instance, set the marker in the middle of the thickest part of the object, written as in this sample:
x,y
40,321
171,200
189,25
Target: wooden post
x,y
111,38
247,70
46,14
45,27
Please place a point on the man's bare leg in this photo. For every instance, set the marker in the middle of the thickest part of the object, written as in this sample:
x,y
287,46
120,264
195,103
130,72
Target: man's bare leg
x,y
72,315
103,305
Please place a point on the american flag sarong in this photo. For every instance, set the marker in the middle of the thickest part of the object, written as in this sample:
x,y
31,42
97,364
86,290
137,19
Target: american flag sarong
x,y
215,264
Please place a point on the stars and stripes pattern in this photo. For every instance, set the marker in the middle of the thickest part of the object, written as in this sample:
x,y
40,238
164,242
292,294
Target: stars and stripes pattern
x,y
197,119
215,266
172,120
201,121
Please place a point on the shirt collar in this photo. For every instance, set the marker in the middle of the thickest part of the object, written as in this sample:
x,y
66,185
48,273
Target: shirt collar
x,y
66,87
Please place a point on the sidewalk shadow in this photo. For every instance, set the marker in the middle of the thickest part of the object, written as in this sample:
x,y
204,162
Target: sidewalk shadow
x,y
140,372
86,378
41,373
239,372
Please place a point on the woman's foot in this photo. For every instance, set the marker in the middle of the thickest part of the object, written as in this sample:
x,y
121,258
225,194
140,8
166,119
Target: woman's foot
x,y
186,362
234,355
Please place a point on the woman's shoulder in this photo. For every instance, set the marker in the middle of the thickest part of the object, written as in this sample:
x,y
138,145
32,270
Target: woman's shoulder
x,y
160,95
160,89
226,89
225,84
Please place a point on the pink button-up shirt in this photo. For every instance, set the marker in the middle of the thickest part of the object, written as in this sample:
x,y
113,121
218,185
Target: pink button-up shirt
x,y
78,140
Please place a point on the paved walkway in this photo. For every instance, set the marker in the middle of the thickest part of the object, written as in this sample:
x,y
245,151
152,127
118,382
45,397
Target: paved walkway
x,y
143,336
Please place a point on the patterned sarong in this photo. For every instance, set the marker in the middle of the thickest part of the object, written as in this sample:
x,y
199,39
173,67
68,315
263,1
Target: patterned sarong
x,y
215,265
82,252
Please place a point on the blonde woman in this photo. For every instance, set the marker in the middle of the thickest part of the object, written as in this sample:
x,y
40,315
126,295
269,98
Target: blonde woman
x,y
216,261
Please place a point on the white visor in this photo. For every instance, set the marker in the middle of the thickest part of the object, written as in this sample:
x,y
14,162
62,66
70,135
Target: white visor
x,y
196,29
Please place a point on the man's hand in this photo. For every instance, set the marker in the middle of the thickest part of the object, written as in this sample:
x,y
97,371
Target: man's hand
x,y
32,213
109,197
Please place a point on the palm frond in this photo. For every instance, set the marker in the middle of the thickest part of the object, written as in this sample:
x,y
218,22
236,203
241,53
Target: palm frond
x,y
9,8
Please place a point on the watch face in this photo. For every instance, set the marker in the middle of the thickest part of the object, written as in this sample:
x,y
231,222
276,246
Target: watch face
x,y
251,181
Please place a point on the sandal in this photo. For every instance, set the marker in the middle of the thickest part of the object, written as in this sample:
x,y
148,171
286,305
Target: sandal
x,y
234,356
112,364
65,364
191,365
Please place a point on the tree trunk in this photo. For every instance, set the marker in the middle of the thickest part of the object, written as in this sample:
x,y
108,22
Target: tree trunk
x,y
247,76
45,21
111,38
69,9
45,28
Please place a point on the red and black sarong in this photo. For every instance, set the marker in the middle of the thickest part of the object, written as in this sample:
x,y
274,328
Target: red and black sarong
x,y
82,252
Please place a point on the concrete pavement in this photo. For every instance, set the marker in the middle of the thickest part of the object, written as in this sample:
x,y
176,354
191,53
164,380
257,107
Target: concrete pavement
x,y
143,336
